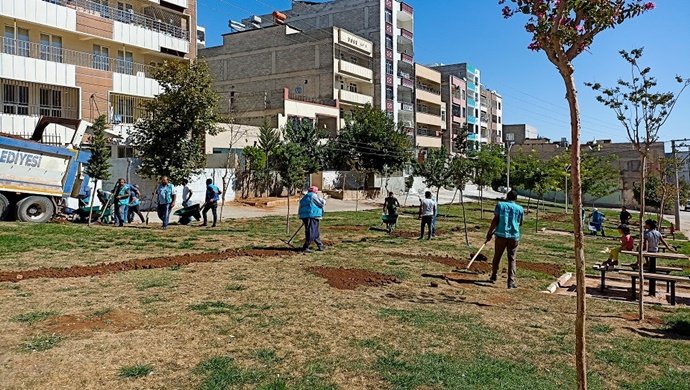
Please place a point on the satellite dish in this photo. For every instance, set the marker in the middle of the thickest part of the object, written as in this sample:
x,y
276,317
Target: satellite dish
x,y
299,90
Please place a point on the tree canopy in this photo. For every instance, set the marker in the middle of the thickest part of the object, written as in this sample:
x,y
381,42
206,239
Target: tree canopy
x,y
98,167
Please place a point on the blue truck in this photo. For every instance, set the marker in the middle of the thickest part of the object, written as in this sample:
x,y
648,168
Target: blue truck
x,y
39,180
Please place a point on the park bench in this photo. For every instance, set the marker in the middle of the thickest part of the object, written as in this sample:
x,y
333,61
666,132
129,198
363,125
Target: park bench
x,y
603,270
669,279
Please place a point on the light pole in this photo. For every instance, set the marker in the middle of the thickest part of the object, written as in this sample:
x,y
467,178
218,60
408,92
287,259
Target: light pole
x,y
510,145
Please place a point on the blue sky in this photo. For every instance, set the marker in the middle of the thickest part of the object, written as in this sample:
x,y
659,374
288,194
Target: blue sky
x,y
449,31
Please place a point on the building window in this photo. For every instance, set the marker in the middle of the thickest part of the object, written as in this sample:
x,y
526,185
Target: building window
x,y
389,16
389,42
389,67
99,6
464,112
389,93
15,99
352,87
499,119
443,115
464,95
16,42
50,102
125,13
125,62
127,109
125,151
499,105
51,48
101,58
494,119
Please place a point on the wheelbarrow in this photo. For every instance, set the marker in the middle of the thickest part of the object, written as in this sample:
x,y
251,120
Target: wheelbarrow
x,y
96,214
390,220
186,214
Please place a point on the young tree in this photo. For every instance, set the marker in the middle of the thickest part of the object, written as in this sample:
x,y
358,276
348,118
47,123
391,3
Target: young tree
x,y
600,177
171,136
269,140
305,134
236,133
292,164
522,172
435,169
642,111
409,183
254,168
460,176
98,167
563,29
488,164
667,187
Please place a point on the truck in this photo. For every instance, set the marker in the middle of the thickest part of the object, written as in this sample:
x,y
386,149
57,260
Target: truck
x,y
37,179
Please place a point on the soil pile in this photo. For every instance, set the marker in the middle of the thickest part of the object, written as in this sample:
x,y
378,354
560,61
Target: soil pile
x,y
351,278
130,265
554,270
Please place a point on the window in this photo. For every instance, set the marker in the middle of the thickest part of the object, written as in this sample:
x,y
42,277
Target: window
x,y
23,42
51,48
125,62
16,41
127,109
443,114
352,87
389,42
464,112
494,119
99,6
389,93
50,102
100,58
389,67
499,105
127,151
15,99
8,40
464,95
389,16
125,13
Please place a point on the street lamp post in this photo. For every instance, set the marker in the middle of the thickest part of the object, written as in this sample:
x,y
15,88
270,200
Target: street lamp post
x,y
510,145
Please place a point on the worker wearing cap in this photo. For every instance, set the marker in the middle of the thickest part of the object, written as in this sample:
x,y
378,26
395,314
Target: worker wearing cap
x,y
212,198
311,213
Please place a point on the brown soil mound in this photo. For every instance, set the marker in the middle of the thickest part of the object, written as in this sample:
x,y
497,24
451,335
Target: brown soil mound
x,y
413,234
546,268
114,321
351,278
158,262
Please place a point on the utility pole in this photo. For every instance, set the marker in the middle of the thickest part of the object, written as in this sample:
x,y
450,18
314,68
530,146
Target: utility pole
x,y
676,163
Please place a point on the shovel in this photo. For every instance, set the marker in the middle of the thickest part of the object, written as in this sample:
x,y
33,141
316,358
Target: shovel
x,y
289,242
467,269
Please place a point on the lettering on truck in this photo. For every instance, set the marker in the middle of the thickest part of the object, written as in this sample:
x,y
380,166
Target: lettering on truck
x,y
19,158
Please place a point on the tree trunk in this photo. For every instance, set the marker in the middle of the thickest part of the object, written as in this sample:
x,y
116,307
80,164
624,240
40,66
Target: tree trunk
x,y
451,203
287,219
566,72
93,195
464,219
481,203
406,195
529,200
640,249
536,222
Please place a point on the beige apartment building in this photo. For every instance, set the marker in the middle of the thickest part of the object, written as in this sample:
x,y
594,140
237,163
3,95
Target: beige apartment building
x,y
429,110
79,59
278,73
491,116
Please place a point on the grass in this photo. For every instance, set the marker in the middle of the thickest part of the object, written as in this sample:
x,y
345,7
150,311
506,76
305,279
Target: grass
x,y
40,343
221,372
213,308
678,323
135,371
34,317
234,287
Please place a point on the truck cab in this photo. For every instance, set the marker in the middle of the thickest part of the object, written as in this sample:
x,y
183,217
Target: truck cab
x,y
37,180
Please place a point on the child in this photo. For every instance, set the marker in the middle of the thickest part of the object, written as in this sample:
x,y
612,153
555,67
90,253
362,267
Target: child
x,y
627,244
652,237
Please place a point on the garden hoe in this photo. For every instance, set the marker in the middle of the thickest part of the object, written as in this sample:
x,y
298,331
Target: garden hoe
x,y
289,242
467,269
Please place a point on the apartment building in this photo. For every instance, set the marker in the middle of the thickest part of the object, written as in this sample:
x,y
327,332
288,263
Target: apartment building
x,y
519,133
279,73
429,109
454,97
81,58
491,116
388,24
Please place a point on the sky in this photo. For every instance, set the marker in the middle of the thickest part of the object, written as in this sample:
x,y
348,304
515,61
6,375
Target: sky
x,y
474,31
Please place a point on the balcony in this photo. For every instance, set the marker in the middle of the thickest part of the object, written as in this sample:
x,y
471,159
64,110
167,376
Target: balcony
x,y
429,133
406,12
406,83
429,119
354,97
406,58
42,12
350,69
406,107
471,102
471,86
128,17
406,34
472,119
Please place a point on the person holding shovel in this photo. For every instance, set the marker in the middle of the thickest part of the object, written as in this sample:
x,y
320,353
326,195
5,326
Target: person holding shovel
x,y
508,217
311,213
165,195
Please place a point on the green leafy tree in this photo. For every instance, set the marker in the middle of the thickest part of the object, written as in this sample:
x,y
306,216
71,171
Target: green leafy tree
x,y
642,110
305,134
488,165
409,183
98,167
600,177
170,137
435,169
292,164
254,169
269,141
563,29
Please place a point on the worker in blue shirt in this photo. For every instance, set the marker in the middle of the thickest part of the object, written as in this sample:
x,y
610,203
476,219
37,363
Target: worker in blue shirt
x,y
212,198
505,226
311,212
165,197
121,193
134,204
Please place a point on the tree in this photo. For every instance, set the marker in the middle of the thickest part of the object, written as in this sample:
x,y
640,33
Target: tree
x,y
236,133
98,167
460,176
305,134
171,135
409,183
269,140
599,175
435,169
563,29
667,187
292,165
254,169
488,164
522,172
642,111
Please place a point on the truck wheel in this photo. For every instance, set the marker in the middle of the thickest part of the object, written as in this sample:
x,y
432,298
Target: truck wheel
x,y
36,209
4,206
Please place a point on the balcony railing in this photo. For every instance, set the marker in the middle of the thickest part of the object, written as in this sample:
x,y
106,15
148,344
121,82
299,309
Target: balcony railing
x,y
125,16
406,34
428,89
406,58
313,100
428,133
407,83
408,107
65,56
406,8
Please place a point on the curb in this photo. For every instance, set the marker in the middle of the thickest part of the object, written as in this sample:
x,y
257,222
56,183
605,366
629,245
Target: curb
x,y
558,283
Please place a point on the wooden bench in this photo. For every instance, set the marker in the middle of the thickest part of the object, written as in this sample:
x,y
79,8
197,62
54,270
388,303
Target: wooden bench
x,y
669,279
603,270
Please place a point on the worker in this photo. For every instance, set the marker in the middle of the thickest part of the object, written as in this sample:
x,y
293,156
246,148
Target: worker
x,y
625,216
508,217
391,204
212,198
427,210
311,212
186,194
134,204
165,196
121,200
103,197
596,222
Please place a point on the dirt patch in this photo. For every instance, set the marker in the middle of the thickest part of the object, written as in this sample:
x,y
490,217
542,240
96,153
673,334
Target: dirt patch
x,y
351,278
130,265
484,267
647,319
114,321
412,234
348,228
